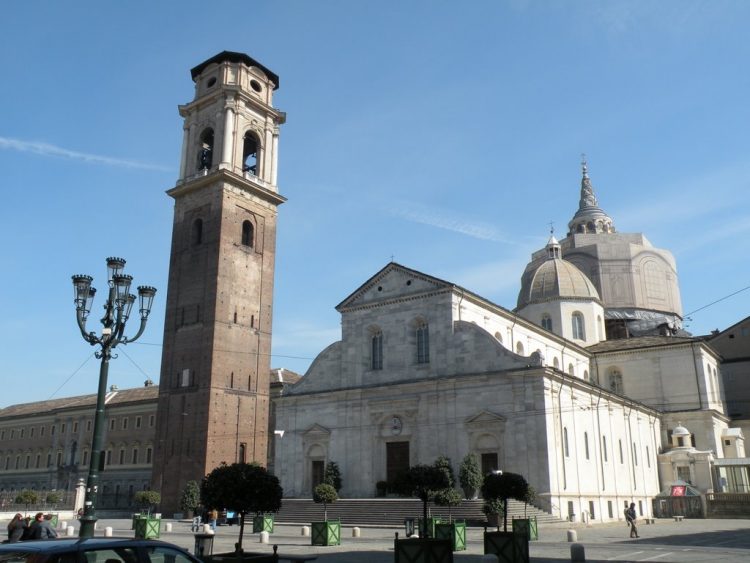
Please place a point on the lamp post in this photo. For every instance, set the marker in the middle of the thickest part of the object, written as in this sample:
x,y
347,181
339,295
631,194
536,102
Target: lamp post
x,y
116,312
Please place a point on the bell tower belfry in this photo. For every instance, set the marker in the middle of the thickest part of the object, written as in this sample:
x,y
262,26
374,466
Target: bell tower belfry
x,y
214,385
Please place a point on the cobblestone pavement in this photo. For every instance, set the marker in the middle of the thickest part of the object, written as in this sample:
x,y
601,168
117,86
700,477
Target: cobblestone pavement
x,y
718,541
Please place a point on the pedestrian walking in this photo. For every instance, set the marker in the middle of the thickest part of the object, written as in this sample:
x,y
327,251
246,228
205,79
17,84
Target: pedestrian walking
x,y
630,517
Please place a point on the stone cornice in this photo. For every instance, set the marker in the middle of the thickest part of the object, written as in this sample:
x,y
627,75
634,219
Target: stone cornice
x,y
221,175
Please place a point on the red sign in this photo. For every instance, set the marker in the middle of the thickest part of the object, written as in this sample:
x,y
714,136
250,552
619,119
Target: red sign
x,y
678,490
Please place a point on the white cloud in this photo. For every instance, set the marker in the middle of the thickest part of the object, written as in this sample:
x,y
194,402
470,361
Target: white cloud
x,y
46,149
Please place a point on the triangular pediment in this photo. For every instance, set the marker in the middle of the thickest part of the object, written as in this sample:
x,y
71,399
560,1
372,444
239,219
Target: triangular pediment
x,y
316,431
485,417
394,281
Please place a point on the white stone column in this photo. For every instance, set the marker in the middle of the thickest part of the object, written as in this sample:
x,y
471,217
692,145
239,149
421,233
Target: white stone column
x,y
275,156
80,495
184,153
227,146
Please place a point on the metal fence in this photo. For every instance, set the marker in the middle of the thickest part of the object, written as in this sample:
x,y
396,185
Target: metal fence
x,y
8,502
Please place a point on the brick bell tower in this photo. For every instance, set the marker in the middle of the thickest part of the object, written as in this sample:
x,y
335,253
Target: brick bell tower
x,y
214,385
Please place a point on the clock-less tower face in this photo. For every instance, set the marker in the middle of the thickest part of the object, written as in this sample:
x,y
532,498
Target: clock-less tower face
x,y
214,384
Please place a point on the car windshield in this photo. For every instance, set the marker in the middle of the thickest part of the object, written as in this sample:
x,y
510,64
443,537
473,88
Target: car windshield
x,y
37,557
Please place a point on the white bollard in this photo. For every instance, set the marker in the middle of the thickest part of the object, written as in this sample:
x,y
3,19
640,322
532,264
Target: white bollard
x,y
572,536
355,532
489,558
168,527
577,553
63,525
264,537
108,532
70,531
305,531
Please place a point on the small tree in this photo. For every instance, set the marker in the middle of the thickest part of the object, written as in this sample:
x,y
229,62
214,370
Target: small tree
x,y
423,482
332,475
529,499
191,497
470,475
444,463
502,486
54,498
27,497
243,488
147,500
449,498
326,494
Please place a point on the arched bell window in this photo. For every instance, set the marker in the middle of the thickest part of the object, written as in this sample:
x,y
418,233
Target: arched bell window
x,y
206,149
250,154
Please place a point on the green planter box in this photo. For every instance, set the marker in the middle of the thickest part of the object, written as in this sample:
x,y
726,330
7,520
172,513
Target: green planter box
x,y
527,527
146,528
429,532
327,532
422,550
454,532
54,520
507,546
263,523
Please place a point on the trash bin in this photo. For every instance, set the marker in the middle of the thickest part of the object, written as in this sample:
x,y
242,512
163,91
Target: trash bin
x,y
204,545
409,527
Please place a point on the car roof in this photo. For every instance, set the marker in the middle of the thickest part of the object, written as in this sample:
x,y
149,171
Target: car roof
x,y
69,544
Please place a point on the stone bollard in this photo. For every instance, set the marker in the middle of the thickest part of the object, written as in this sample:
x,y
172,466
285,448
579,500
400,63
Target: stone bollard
x,y
572,536
356,532
489,558
264,537
108,532
207,529
168,527
305,531
577,553
70,531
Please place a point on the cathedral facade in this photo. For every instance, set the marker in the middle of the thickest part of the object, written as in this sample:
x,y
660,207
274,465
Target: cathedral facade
x,y
579,388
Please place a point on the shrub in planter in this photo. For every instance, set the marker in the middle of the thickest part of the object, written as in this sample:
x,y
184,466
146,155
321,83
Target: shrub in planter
x,y
147,500
470,475
191,498
423,482
492,509
327,532
502,486
444,463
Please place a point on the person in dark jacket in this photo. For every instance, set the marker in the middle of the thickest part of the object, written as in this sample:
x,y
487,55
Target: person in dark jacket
x,y
630,516
16,528
41,529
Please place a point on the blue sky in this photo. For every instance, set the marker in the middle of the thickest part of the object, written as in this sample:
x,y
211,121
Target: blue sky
x,y
444,135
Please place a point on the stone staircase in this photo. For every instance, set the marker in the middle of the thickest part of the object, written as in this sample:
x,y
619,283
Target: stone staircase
x,y
392,511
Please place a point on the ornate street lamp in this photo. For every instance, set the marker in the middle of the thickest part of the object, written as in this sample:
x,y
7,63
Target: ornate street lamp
x,y
116,312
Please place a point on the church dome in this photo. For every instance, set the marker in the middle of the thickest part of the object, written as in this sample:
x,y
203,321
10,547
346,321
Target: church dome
x,y
556,279
680,430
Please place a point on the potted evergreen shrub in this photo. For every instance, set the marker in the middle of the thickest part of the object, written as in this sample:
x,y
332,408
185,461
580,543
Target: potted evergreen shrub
x,y
190,499
501,486
146,526
470,476
243,488
327,532
453,531
332,475
493,509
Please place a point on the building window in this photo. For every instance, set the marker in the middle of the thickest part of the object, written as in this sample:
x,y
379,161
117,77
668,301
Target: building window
x,y
49,460
499,337
243,453
185,379
609,509
88,426
619,443
592,512
196,234
137,421
18,462
648,458
38,460
376,350
578,331
41,430
566,449
134,459
51,431
570,369
31,432
635,454
519,348
547,322
148,455
85,459
586,444
28,461
125,423
109,457
59,459
151,419
604,447
62,429
75,427
248,234
555,363
250,154
111,423
205,152
423,343
615,381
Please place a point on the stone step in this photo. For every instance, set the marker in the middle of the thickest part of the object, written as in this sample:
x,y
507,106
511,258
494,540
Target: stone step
x,y
392,512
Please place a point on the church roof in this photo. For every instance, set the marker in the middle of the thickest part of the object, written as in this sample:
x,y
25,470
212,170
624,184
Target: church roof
x,y
640,342
234,57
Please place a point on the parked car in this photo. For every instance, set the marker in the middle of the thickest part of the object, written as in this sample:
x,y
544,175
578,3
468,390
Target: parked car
x,y
94,550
